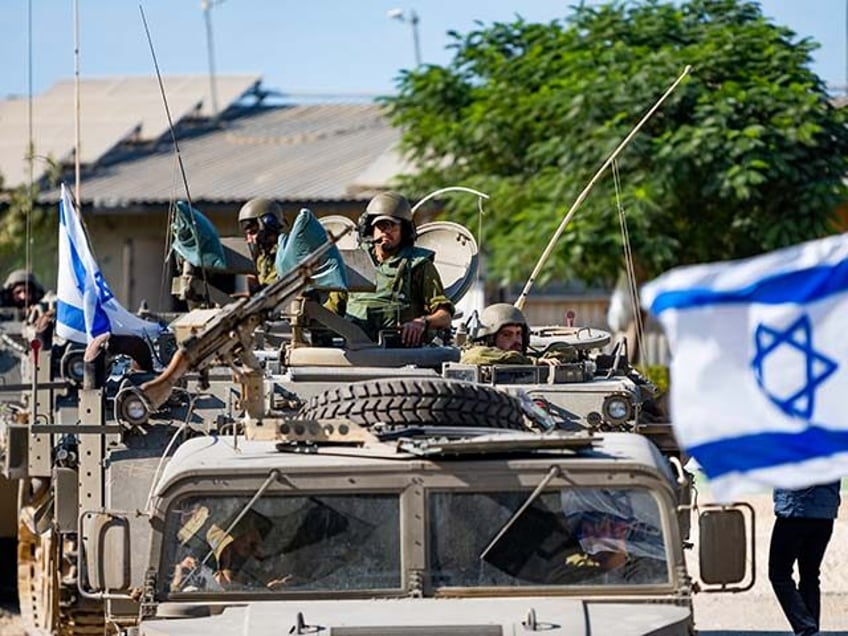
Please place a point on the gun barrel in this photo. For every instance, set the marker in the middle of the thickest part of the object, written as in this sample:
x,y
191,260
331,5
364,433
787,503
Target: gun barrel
x,y
230,329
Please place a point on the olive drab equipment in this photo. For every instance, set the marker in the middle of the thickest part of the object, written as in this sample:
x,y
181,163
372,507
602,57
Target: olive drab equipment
x,y
391,204
496,316
383,308
266,212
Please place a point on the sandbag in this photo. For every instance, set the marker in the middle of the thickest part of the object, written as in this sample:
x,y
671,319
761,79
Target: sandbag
x,y
195,238
307,235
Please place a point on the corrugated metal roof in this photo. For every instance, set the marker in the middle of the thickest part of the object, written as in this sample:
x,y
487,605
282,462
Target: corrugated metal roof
x,y
111,109
303,152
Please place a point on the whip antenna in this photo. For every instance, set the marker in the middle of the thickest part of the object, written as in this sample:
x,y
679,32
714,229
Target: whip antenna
x,y
167,108
519,303
173,139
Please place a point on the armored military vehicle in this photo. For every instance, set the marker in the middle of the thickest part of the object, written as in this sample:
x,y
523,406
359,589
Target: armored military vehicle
x,y
332,527
338,474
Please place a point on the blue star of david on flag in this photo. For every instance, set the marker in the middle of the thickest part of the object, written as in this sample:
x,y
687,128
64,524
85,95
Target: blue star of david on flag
x,y
793,346
757,384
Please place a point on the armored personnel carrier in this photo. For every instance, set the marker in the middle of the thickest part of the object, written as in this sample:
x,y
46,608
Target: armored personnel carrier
x,y
355,487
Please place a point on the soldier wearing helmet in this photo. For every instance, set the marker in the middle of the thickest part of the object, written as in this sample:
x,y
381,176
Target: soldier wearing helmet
x,y
21,289
503,337
615,542
262,222
236,553
409,292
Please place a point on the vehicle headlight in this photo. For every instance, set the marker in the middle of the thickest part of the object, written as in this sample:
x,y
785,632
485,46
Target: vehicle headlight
x,y
617,409
73,366
132,408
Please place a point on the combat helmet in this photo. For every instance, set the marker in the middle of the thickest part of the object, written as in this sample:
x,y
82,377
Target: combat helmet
x,y
498,315
22,277
388,205
266,212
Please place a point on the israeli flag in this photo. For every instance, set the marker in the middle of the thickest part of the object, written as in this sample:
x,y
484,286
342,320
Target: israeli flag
x,y
759,371
85,306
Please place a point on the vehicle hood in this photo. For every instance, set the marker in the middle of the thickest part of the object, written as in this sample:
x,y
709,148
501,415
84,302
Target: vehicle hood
x,y
432,617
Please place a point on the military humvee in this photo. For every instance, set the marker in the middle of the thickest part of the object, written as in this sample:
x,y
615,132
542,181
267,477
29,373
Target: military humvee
x,y
363,472
393,531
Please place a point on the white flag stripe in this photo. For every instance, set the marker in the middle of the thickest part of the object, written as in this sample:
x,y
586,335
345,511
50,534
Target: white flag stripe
x,y
758,375
86,307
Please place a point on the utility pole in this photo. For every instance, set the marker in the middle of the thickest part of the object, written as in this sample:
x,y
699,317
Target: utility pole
x,y
207,5
401,16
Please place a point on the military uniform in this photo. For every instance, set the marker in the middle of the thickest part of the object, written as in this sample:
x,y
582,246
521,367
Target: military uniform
x,y
484,354
581,568
407,286
265,266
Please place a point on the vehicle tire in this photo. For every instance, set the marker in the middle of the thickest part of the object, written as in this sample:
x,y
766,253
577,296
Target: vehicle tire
x,y
418,401
47,592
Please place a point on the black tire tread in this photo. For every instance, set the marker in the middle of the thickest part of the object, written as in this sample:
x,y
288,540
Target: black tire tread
x,y
412,401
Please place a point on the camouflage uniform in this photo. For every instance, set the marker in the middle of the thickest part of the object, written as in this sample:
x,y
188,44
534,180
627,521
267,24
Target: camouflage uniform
x,y
484,354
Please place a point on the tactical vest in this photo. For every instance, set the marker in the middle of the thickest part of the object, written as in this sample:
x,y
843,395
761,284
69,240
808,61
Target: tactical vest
x,y
392,302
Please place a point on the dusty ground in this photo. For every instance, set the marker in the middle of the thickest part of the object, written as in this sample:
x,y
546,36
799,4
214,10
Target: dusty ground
x,y
754,612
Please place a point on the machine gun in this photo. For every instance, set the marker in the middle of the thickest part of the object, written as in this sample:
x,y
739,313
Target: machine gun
x,y
227,338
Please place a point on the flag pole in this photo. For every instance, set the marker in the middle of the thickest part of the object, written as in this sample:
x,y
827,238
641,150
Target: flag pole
x,y
76,105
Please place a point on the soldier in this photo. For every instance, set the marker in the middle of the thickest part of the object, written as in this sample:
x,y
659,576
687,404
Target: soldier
x,y
502,337
21,289
409,291
262,222
233,553
613,546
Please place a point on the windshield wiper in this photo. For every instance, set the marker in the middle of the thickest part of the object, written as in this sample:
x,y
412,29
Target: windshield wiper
x,y
273,476
553,472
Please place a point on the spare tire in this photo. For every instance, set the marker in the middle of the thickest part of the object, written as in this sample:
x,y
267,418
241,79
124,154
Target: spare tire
x,y
418,401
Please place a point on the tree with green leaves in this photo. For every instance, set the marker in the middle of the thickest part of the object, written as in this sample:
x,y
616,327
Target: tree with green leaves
x,y
27,226
747,155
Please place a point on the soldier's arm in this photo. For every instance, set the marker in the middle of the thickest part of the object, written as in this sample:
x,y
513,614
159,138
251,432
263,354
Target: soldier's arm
x,y
439,308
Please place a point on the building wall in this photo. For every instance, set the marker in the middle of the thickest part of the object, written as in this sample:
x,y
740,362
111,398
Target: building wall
x,y
131,247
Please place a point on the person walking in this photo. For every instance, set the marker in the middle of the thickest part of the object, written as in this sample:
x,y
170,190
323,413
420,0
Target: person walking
x,y
802,530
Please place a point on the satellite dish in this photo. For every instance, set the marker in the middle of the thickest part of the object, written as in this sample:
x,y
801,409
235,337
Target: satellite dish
x,y
336,224
457,258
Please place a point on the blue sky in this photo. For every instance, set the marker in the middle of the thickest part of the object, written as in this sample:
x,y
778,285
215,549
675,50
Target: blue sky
x,y
300,46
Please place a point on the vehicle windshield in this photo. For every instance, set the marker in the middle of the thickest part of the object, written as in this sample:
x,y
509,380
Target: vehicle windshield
x,y
572,536
215,544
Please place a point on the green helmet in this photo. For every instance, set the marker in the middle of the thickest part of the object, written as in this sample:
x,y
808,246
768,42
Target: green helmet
x,y
389,204
268,213
22,277
499,315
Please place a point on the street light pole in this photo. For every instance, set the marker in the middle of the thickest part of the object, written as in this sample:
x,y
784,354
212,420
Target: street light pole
x,y
206,5
400,16
413,20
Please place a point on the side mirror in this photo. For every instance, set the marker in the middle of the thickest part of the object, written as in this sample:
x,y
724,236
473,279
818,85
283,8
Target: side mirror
x,y
105,545
725,542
